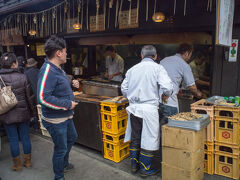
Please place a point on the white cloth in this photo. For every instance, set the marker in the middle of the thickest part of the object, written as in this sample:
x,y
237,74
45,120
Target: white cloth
x,y
141,87
150,125
114,66
179,72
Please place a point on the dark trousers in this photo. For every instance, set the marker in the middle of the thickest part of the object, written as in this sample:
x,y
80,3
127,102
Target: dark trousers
x,y
136,124
14,131
63,135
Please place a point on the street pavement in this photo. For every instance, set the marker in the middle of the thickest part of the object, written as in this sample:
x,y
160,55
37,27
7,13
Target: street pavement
x,y
89,164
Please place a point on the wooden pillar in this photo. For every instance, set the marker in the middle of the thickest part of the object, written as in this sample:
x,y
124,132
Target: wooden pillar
x,y
91,60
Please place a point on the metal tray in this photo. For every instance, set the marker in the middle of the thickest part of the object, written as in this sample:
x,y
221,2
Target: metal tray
x,y
196,124
213,99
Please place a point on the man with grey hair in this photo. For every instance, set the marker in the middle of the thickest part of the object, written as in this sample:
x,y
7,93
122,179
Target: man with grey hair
x,y
141,87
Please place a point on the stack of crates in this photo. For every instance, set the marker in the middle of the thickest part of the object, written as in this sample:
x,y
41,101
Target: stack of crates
x,y
43,129
114,122
227,141
202,107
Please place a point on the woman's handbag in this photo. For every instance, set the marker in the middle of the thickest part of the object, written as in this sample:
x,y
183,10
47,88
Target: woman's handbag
x,y
7,98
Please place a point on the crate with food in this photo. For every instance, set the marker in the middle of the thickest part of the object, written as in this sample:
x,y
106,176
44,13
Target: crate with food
x,y
116,105
188,120
184,139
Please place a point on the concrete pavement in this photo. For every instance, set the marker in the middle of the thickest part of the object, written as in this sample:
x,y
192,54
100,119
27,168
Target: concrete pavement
x,y
89,164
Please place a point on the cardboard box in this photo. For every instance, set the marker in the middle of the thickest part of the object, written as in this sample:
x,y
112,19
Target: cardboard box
x,y
182,138
183,159
174,173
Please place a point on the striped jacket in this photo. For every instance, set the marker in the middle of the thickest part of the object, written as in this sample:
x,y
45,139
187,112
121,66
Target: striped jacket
x,y
54,92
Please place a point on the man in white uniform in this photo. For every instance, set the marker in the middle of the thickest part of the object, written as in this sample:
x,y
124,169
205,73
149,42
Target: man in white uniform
x,y
114,65
141,87
180,72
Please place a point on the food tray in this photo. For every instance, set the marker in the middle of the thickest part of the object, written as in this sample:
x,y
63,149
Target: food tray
x,y
196,124
213,99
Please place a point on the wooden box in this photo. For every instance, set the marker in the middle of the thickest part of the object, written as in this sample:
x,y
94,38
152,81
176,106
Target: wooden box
x,y
182,138
174,173
183,159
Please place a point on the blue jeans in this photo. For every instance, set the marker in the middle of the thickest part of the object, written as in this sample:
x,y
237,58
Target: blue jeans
x,y
165,111
15,132
63,135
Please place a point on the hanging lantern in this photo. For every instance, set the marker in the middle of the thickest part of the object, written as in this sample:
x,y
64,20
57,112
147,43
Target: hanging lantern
x,y
32,32
76,26
158,17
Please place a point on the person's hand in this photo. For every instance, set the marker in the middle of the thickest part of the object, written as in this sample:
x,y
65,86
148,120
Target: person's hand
x,y
164,99
73,105
75,83
110,77
106,75
199,94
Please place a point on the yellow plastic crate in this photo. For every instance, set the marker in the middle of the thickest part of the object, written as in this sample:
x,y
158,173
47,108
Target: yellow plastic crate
x,y
208,162
227,112
202,107
227,165
114,108
227,148
114,138
227,131
115,152
114,124
209,146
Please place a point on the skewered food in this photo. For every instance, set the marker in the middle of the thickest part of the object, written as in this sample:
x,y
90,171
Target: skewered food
x,y
185,116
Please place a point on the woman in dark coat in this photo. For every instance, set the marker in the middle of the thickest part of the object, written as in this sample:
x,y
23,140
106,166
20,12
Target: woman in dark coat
x,y
16,121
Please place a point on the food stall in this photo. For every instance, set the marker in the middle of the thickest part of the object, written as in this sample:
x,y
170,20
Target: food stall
x,y
87,114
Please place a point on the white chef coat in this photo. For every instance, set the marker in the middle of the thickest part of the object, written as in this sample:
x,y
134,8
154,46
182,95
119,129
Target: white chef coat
x,y
114,66
179,72
141,87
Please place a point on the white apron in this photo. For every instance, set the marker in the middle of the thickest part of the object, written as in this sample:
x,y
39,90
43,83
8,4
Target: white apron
x,y
150,125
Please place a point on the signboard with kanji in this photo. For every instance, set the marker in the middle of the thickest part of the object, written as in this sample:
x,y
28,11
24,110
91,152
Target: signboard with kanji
x,y
125,22
97,23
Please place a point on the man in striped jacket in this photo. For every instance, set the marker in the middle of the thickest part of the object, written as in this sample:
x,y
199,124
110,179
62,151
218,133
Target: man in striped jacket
x,y
56,97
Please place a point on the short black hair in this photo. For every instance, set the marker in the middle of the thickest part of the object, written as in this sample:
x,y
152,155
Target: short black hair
x,y
7,60
54,44
199,55
185,47
110,48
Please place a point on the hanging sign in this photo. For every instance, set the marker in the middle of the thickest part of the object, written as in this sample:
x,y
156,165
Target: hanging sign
x,y
233,51
11,37
124,22
100,26
225,12
40,49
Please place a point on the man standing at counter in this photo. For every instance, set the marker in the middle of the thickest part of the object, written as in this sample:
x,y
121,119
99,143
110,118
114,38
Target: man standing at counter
x,y
56,97
141,87
114,65
180,72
